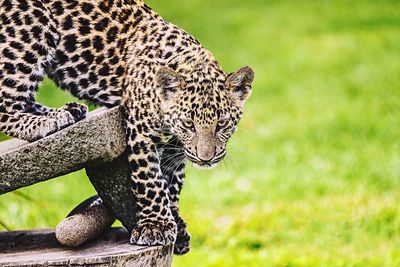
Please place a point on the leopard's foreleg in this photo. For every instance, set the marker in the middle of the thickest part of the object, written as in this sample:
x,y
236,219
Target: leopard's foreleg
x,y
173,168
155,222
182,244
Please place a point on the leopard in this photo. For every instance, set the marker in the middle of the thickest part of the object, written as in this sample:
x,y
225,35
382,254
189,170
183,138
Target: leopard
x,y
179,105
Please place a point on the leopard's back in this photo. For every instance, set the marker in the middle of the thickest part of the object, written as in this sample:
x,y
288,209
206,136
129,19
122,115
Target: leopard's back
x,y
90,59
28,41
80,44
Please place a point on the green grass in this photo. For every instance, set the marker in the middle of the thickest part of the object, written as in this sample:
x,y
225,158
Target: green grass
x,y
313,174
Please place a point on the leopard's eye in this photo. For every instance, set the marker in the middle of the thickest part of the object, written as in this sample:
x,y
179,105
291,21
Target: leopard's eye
x,y
222,123
188,124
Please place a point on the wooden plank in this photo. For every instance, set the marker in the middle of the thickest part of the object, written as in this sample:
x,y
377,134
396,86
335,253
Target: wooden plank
x,y
95,140
40,248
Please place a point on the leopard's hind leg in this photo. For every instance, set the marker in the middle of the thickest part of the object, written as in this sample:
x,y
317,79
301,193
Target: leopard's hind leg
x,y
28,41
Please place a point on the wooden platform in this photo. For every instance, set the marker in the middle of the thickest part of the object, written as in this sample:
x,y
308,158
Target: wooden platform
x,y
96,143
40,248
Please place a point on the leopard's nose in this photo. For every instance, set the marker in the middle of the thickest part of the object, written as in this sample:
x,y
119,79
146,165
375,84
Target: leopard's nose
x,y
205,153
205,160
208,160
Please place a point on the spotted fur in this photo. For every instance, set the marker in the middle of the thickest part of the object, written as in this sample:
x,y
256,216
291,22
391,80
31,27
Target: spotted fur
x,y
179,104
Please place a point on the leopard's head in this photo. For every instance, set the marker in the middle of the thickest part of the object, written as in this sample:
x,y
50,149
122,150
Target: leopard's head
x,y
202,108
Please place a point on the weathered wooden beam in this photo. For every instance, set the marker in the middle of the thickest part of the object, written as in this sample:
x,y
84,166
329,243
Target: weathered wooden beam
x,y
98,139
40,248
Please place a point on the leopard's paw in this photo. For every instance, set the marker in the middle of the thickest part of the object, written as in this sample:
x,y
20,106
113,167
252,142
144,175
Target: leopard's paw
x,y
78,111
182,244
43,128
154,233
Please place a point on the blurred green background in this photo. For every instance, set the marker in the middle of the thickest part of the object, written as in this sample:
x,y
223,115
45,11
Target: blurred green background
x,y
313,175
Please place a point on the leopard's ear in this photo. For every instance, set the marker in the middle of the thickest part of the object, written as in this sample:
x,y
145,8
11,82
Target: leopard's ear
x,y
169,83
239,85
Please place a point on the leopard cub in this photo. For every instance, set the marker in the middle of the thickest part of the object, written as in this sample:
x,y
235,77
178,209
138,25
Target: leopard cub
x,y
179,104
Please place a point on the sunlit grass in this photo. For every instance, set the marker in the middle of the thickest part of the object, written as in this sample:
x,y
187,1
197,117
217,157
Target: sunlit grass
x,y
313,174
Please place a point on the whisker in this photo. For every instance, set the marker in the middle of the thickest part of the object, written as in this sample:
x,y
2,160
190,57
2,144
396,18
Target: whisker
x,y
234,166
225,165
171,155
243,130
169,163
179,164
170,146
178,161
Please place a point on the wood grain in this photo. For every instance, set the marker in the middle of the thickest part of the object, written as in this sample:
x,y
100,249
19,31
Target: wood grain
x,y
40,248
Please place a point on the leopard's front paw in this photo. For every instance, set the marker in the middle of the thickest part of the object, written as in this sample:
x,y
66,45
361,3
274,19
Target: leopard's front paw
x,y
154,233
182,244
78,111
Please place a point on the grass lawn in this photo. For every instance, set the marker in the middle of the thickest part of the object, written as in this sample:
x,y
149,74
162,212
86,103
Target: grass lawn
x,y
313,174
